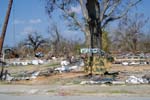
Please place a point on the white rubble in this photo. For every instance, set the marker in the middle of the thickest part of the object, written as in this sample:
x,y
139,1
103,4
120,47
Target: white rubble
x,y
24,63
62,69
136,80
8,77
135,63
82,63
64,63
34,75
41,61
125,63
35,62
53,58
66,67
74,67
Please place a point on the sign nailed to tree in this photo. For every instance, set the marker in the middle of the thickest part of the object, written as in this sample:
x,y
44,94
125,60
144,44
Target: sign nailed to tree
x,y
91,50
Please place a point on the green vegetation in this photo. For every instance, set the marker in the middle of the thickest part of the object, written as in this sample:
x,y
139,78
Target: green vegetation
x,y
119,92
51,65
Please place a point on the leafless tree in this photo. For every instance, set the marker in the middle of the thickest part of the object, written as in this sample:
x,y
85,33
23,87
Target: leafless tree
x,y
129,32
23,50
61,45
35,41
144,43
110,10
55,39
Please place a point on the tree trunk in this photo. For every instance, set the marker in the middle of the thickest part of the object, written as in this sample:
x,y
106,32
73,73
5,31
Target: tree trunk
x,y
134,45
2,72
100,38
87,37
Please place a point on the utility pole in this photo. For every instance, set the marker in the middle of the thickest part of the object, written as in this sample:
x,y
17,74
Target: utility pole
x,y
4,31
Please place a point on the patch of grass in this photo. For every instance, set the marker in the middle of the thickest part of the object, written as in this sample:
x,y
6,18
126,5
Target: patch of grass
x,y
12,93
76,82
119,92
69,81
54,81
51,91
89,92
4,82
52,65
84,92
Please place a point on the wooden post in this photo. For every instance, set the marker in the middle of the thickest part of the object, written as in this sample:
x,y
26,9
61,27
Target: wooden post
x,y
4,32
5,25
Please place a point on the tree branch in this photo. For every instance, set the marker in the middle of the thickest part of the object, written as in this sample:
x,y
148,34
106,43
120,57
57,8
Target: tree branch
x,y
83,7
113,8
105,5
112,18
73,17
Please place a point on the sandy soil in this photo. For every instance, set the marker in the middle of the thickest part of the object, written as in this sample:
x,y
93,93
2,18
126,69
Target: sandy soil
x,y
68,84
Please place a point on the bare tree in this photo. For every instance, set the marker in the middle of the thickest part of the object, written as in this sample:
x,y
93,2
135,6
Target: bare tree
x,y
109,10
144,43
130,30
35,41
55,39
23,49
61,45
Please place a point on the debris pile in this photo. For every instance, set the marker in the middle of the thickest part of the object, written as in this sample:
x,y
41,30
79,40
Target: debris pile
x,y
113,80
66,66
18,62
136,80
21,76
131,59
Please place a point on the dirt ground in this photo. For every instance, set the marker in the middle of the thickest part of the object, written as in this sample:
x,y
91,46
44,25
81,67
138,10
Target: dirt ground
x,y
139,68
74,77
68,84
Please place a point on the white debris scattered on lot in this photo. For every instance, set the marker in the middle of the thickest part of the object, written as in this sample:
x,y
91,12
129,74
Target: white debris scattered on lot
x,y
135,63
33,91
82,63
34,75
35,62
74,67
89,82
136,80
118,82
62,69
96,82
125,63
64,63
40,61
64,66
54,58
9,78
24,63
